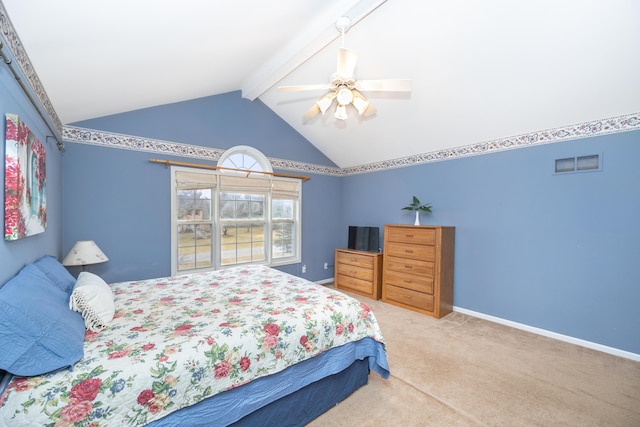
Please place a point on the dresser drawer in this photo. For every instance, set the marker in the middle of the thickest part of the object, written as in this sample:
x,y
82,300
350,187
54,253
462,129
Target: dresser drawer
x,y
418,236
411,266
418,268
404,250
408,297
354,271
359,272
364,261
356,285
417,283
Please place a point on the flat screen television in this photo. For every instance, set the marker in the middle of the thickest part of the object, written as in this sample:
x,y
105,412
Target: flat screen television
x,y
364,238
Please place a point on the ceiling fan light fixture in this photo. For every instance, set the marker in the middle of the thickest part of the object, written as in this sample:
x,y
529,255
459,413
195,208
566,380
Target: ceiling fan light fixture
x,y
360,102
325,102
344,96
341,113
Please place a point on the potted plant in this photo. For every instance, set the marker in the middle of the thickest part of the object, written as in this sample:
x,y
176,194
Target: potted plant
x,y
416,206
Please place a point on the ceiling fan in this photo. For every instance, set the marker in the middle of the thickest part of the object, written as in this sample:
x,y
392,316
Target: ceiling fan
x,y
344,88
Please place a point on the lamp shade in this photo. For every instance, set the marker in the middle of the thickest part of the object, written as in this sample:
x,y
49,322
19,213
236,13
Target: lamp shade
x,y
341,112
84,252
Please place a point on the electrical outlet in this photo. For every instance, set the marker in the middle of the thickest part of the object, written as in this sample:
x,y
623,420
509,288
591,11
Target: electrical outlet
x,y
326,265
304,268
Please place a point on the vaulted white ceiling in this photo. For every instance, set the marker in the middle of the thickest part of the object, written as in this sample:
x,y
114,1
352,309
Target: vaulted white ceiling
x,y
481,70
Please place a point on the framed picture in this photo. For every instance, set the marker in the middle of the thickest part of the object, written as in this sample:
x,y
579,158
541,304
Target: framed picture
x,y
25,200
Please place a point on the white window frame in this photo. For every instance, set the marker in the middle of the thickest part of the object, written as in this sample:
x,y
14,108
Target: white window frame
x,y
216,223
244,157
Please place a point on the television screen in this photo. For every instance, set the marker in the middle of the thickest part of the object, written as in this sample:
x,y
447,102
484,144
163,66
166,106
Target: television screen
x,y
364,238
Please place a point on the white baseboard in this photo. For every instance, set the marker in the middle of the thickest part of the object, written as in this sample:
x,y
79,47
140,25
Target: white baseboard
x,y
544,332
566,338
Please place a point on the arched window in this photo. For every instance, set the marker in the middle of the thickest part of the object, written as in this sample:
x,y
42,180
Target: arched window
x,y
228,217
245,158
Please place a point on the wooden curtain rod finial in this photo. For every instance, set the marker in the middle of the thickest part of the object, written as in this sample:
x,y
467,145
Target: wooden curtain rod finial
x,y
248,172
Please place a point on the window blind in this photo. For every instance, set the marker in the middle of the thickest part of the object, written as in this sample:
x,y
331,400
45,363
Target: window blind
x,y
285,189
244,184
195,180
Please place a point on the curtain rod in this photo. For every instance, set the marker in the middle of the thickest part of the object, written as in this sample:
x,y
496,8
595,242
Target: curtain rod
x,y
8,61
248,172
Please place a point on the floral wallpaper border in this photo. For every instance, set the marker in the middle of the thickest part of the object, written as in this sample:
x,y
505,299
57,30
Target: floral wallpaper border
x,y
9,36
128,142
618,124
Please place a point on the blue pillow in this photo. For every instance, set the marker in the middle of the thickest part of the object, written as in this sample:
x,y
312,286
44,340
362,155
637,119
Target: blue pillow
x,y
38,331
57,273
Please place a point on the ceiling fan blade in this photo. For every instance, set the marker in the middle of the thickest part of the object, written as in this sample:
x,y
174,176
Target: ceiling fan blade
x,y
296,88
391,85
346,62
370,111
311,112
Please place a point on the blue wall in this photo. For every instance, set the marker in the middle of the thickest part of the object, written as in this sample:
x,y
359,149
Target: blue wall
x,y
553,251
557,252
122,201
15,254
221,121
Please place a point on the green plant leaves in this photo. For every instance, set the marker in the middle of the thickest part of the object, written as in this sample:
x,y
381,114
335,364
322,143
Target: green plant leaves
x,y
417,206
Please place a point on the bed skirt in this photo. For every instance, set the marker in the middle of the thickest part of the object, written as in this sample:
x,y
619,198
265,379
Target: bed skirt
x,y
308,403
298,394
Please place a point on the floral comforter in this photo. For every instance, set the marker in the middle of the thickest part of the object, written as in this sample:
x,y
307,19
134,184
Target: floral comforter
x,y
176,341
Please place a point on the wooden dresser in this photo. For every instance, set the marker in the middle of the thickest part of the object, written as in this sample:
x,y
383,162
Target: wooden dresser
x,y
418,268
359,272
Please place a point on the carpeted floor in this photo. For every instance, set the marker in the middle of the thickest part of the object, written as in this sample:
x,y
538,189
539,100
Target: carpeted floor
x,y
465,371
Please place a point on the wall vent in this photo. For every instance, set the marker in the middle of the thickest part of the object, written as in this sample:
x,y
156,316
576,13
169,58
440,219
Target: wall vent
x,y
579,164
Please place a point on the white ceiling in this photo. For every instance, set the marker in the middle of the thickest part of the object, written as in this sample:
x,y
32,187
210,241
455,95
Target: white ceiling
x,y
481,70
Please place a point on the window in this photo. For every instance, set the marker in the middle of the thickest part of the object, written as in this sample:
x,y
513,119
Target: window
x,y
225,217
586,163
245,158
285,219
566,165
578,164
243,218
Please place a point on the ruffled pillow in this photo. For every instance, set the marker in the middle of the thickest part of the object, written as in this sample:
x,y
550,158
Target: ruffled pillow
x,y
92,298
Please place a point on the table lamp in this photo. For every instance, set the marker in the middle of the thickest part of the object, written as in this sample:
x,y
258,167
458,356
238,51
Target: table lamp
x,y
84,252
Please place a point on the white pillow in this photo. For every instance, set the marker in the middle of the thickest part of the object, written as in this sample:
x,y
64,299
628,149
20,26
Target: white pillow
x,y
92,297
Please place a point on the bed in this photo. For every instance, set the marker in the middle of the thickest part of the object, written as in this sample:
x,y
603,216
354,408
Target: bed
x,y
243,346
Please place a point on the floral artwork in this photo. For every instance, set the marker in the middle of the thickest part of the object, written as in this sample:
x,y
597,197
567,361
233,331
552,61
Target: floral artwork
x,y
176,341
25,202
